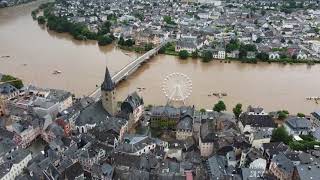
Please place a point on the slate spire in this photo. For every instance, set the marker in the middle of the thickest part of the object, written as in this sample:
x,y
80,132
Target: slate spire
x,y
108,84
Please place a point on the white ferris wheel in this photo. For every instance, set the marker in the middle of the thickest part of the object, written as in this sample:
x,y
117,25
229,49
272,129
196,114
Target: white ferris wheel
x,y
177,87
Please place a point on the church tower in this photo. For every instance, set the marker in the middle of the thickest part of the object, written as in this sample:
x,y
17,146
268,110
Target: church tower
x,y
108,94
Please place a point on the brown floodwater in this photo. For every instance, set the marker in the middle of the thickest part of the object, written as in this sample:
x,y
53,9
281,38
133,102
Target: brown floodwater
x,y
36,52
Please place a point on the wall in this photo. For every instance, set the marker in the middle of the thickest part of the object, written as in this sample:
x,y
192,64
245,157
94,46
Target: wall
x,y
206,149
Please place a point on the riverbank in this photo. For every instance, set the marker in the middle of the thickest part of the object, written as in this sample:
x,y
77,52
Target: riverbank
x,y
12,3
80,32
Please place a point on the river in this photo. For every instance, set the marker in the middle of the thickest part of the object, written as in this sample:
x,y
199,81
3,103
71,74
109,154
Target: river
x,y
36,52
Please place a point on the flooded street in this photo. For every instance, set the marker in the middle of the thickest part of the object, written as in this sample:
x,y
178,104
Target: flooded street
x,y
35,53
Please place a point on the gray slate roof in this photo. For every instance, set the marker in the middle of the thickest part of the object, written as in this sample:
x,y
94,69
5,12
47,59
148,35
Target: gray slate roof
x,y
131,102
108,84
298,123
307,171
283,163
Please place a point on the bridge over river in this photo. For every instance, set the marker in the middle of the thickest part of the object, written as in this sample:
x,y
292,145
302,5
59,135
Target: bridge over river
x,y
130,68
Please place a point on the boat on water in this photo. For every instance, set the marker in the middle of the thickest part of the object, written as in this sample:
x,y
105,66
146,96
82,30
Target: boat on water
x,y
313,98
56,72
219,94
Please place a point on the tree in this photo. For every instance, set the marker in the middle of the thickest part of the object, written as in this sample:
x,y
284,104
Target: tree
x,y
194,54
162,50
263,12
168,20
233,45
139,15
105,28
282,115
183,54
220,106
280,135
202,110
283,56
294,57
148,47
41,20
207,56
237,110
259,40
104,40
121,41
129,42
263,56
301,115
12,80
282,40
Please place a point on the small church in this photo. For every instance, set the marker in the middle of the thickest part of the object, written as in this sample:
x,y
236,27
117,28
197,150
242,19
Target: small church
x,y
106,113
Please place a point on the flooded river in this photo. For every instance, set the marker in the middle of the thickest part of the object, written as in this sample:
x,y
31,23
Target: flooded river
x,y
36,52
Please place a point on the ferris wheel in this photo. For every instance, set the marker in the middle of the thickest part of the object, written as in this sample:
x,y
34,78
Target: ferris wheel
x,y
177,87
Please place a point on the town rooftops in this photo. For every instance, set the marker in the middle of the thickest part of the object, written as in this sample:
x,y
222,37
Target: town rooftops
x,y
165,111
102,170
298,123
308,171
74,171
7,88
54,95
257,120
131,102
134,144
5,168
185,123
283,163
262,134
217,167
252,174
93,114
274,148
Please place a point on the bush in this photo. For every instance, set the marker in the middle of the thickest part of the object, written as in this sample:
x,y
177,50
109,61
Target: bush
x,y
207,56
183,54
194,54
104,40
148,47
41,20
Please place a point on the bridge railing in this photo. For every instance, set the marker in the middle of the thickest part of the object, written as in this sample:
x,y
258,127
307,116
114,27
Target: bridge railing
x,y
119,75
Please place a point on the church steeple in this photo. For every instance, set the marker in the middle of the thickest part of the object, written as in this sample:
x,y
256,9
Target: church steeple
x,y
108,84
108,94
